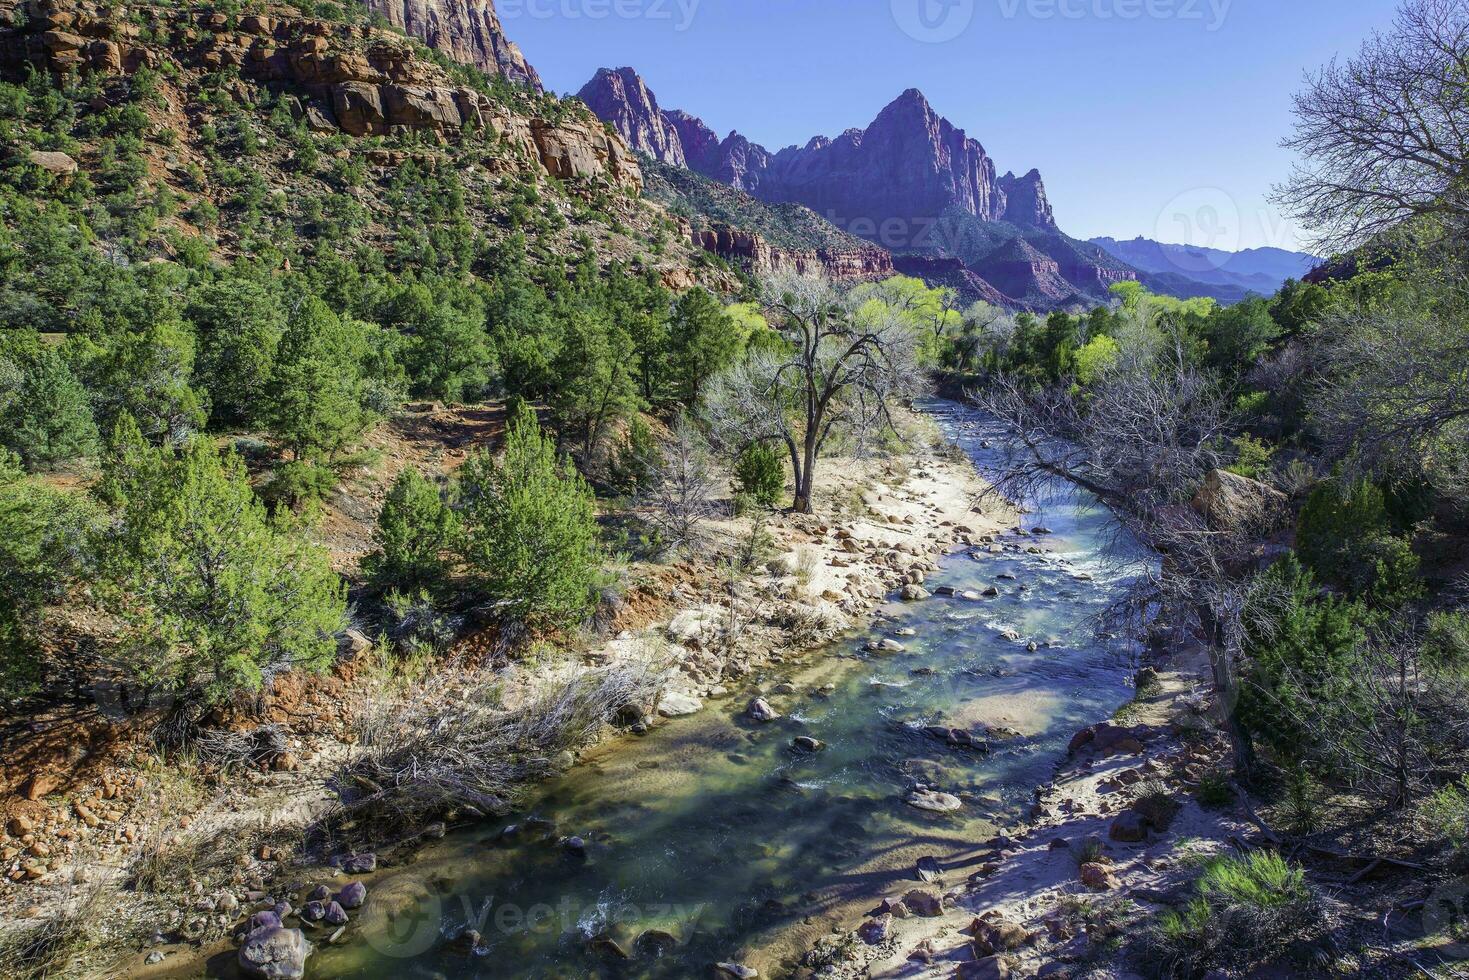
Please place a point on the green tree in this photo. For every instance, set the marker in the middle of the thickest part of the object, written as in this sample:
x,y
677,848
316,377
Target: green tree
x,y
530,532
1345,535
45,413
415,530
760,474
145,373
316,397
1304,652
43,548
594,385
217,597
239,325
702,341
448,354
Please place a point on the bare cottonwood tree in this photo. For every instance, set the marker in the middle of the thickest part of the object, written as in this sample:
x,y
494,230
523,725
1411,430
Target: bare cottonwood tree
x,y
1385,136
1146,441
839,371
683,487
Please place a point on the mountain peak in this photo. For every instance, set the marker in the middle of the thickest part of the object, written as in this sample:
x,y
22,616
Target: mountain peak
x,y
619,96
468,31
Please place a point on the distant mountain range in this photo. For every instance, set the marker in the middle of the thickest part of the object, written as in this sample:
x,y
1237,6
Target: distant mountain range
x,y
1191,270
911,183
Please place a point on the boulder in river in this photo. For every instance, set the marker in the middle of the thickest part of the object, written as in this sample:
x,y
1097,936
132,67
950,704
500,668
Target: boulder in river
x,y
886,646
737,970
928,870
914,593
807,745
676,705
655,943
934,802
275,953
352,895
761,711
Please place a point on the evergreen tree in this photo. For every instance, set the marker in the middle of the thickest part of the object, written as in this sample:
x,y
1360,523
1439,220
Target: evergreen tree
x,y
216,596
414,530
530,532
46,416
702,341
316,403
239,325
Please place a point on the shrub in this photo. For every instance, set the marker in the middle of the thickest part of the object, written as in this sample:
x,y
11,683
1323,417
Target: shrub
x,y
42,548
216,595
1347,537
1444,816
530,533
414,531
450,742
299,485
1156,802
1245,910
760,474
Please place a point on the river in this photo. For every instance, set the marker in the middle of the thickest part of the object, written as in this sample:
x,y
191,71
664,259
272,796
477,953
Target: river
x,y
713,840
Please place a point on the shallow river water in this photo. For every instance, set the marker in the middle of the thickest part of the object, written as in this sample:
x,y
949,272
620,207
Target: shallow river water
x,y
719,842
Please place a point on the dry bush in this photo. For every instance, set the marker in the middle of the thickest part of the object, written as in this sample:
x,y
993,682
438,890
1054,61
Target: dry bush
x,y
450,742
58,945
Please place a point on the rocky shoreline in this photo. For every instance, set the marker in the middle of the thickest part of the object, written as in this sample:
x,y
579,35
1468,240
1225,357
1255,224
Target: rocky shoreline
x,y
892,523
1109,840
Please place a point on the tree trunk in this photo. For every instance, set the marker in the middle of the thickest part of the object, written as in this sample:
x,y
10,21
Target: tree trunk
x,y
1226,688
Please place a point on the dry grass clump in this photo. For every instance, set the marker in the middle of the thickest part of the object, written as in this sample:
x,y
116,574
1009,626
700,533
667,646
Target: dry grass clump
x,y
450,743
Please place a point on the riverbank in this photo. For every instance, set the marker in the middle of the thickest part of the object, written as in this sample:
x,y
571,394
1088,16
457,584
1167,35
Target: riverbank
x,y
216,845
1113,838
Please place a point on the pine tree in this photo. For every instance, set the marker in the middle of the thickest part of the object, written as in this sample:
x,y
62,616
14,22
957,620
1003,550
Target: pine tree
x,y
702,341
217,597
414,530
530,529
48,419
316,394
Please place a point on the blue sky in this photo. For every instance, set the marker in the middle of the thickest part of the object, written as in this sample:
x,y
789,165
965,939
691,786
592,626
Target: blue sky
x,y
1147,117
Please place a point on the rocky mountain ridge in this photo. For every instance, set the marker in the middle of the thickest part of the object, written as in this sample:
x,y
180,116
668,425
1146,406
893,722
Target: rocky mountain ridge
x,y
910,182
469,31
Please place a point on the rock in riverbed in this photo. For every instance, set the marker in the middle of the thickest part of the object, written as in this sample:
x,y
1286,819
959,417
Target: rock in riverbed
x,y
676,705
761,711
934,802
274,953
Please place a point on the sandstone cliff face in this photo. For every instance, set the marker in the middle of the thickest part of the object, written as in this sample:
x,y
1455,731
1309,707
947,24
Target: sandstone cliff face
x,y
754,253
359,80
468,31
1026,203
620,98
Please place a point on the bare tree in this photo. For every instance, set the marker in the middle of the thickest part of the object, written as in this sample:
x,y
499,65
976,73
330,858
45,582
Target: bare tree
x,y
839,371
683,487
1385,136
1146,440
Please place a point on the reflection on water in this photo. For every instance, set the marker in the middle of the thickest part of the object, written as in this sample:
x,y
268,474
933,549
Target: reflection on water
x,y
714,840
